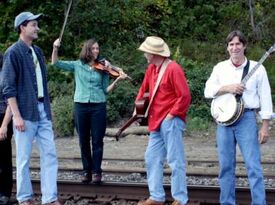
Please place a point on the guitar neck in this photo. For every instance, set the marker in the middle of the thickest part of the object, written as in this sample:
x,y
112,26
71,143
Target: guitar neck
x,y
260,62
127,124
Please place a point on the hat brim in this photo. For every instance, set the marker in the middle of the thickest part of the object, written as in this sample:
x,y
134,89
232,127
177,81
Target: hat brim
x,y
164,53
34,17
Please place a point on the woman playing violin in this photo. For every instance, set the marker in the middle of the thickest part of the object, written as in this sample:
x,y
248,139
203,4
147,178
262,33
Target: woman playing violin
x,y
92,87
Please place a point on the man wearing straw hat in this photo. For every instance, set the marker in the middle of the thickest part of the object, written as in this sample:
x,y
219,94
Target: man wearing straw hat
x,y
25,87
169,102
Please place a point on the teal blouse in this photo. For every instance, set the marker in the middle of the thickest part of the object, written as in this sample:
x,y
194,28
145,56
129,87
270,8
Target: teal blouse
x,y
91,85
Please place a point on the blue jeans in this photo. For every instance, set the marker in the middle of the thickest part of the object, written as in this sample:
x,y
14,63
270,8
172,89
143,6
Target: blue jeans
x,y
90,121
42,133
245,134
167,144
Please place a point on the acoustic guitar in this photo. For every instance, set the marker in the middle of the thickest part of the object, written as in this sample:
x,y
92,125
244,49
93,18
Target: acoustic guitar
x,y
141,106
227,109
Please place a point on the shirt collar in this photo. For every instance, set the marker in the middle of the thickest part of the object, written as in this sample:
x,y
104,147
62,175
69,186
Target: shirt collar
x,y
24,46
239,67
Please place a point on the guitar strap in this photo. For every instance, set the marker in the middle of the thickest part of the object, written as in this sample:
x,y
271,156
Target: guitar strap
x,y
245,71
161,72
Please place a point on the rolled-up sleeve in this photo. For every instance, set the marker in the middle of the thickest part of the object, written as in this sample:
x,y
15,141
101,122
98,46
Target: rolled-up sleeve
x,y
264,92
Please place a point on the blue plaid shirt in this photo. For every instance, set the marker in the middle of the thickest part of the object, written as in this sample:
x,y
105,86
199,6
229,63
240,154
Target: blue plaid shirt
x,y
19,80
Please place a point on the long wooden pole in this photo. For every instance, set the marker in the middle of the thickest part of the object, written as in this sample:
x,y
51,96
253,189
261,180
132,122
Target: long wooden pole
x,y
65,21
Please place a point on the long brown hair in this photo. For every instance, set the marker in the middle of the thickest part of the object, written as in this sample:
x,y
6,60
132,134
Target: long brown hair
x,y
86,55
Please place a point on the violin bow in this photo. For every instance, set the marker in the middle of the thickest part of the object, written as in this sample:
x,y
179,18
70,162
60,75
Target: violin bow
x,y
65,21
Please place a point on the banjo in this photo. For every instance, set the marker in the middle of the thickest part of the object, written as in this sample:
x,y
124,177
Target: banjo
x,y
227,109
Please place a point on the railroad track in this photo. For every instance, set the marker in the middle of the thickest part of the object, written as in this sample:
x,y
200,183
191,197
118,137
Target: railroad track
x,y
117,191
194,167
125,179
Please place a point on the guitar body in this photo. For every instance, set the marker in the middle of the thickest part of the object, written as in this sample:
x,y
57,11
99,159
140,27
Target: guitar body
x,y
141,107
226,109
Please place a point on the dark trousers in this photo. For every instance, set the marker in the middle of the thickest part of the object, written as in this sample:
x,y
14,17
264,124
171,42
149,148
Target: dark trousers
x,y
90,120
6,162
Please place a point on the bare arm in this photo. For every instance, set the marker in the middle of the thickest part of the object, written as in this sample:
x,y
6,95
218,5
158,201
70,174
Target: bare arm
x,y
56,45
264,132
17,119
113,84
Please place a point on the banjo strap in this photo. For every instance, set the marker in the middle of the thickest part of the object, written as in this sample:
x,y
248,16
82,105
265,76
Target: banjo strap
x,y
245,71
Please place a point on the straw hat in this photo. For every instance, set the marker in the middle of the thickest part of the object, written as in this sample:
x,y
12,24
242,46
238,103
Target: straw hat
x,y
155,45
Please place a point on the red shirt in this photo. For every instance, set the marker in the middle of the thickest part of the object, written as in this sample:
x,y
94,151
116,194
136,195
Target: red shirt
x,y
172,96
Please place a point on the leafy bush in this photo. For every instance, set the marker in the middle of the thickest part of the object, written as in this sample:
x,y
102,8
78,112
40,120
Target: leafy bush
x,y
120,102
197,124
196,74
62,109
60,89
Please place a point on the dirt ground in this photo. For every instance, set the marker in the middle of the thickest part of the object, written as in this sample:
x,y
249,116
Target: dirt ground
x,y
198,145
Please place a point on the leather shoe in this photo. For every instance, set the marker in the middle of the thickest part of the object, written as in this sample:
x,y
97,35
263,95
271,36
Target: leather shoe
x,y
188,203
27,202
54,203
97,178
176,202
150,202
86,177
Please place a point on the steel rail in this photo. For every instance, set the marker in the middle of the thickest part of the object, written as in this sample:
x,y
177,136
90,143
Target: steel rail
x,y
137,191
188,161
126,171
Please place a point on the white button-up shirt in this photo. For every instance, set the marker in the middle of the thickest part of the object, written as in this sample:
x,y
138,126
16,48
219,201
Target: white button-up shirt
x,y
257,92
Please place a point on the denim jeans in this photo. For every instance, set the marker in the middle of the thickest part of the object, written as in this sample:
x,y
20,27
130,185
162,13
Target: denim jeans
x,y
6,162
245,134
90,120
42,133
167,143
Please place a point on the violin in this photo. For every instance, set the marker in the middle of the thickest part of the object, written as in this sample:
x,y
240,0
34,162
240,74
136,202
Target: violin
x,y
113,71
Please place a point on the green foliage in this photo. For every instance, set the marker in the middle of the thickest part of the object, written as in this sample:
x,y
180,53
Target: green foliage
x,y
61,89
62,108
196,74
121,102
197,124
194,30
59,83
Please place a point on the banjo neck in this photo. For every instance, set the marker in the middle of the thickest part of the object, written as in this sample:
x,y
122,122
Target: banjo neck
x,y
267,53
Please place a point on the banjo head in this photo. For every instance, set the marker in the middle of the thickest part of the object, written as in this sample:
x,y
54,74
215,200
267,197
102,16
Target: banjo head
x,y
224,107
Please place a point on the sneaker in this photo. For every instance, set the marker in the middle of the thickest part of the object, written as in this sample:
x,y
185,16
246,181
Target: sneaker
x,y
150,202
97,178
86,177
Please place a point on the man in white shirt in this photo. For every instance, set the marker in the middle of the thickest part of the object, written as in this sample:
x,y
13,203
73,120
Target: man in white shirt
x,y
256,94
